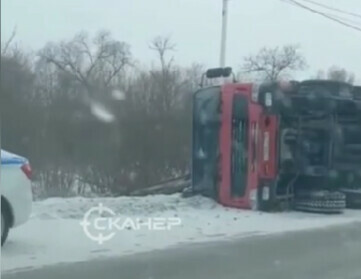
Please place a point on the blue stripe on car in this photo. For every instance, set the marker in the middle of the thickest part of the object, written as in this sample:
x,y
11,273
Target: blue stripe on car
x,y
8,158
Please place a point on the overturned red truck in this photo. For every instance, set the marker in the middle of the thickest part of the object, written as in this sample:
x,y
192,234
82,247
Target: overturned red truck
x,y
278,145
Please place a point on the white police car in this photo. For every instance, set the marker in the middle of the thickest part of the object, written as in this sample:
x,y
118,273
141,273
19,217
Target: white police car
x,y
16,194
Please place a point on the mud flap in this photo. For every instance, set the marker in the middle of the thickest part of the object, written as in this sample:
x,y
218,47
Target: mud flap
x,y
266,197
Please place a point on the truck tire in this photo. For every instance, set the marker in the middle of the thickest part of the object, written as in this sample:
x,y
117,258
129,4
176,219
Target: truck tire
x,y
321,201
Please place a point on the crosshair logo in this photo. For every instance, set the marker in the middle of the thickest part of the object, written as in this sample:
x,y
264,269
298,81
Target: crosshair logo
x,y
100,223
88,222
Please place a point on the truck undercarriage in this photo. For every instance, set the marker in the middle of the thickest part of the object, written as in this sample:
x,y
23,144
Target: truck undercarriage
x,y
319,143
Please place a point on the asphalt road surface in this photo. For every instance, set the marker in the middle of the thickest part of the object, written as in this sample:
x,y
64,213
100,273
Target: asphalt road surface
x,y
333,253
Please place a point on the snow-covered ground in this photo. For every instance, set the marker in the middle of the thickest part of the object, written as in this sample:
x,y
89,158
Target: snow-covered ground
x,y
54,234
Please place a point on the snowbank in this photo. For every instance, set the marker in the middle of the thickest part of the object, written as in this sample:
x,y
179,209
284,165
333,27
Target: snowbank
x,y
54,235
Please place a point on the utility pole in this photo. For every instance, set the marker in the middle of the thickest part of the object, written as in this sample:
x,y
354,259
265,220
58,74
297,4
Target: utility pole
x,y
224,33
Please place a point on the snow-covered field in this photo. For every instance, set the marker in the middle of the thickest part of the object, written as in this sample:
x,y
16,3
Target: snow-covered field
x,y
54,234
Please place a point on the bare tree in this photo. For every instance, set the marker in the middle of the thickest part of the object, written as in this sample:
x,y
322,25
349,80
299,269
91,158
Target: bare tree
x,y
163,45
149,140
7,44
274,63
336,73
163,81
90,62
340,74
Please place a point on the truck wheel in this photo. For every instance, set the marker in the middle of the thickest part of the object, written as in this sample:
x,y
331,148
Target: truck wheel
x,y
321,202
4,226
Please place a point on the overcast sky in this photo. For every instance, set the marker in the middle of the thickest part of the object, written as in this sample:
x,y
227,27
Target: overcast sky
x,y
194,26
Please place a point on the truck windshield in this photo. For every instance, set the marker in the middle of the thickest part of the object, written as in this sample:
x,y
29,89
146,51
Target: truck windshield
x,y
206,124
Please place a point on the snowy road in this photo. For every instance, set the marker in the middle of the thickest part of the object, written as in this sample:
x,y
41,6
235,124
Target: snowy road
x,y
54,236
331,253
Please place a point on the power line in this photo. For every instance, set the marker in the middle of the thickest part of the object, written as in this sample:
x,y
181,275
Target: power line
x,y
347,20
332,8
300,5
